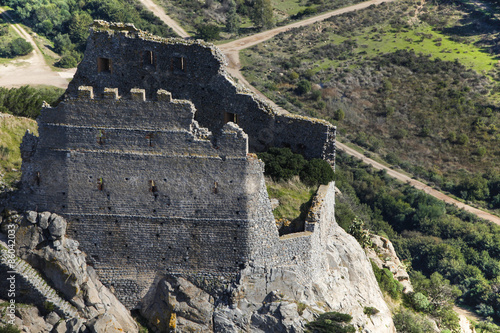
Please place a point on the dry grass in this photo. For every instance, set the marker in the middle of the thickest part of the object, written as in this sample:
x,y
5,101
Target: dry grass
x,y
12,130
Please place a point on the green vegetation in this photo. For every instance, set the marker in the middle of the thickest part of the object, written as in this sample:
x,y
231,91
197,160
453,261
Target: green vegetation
x,y
282,164
12,130
66,23
244,17
294,195
331,322
27,101
11,45
9,329
453,254
408,85
294,202
387,282
24,102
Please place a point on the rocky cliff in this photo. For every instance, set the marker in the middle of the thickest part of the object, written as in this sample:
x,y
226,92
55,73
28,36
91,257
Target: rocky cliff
x,y
261,300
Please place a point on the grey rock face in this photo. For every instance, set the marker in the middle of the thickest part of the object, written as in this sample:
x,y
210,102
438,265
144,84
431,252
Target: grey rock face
x,y
31,217
44,219
57,226
65,266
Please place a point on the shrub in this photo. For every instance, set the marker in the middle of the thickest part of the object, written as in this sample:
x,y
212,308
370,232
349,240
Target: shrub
x,y
20,47
387,282
331,322
9,329
303,87
67,61
316,172
281,163
462,139
208,32
370,311
339,115
420,302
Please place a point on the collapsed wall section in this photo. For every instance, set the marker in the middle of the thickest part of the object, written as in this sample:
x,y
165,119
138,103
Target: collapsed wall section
x,y
127,58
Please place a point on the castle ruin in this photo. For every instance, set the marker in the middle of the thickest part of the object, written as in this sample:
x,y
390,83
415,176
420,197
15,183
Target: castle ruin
x,y
150,157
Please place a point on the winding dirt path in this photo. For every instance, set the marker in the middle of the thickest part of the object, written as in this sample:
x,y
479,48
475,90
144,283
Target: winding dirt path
x,y
31,69
419,185
160,12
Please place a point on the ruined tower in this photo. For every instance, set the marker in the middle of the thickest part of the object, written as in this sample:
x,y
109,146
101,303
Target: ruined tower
x,y
150,158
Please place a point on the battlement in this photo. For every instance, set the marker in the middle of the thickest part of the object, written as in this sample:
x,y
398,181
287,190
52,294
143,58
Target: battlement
x,y
150,158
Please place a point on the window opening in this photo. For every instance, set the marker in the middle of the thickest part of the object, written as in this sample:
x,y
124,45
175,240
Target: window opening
x,y
103,65
100,184
216,187
152,186
230,117
178,63
37,178
150,137
100,137
149,59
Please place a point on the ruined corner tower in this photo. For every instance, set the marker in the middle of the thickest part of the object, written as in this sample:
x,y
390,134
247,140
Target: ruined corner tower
x,y
149,157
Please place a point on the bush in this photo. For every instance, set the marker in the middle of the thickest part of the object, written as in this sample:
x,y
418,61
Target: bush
x,y
303,87
316,172
67,61
420,302
339,115
20,47
282,164
9,329
387,282
17,47
331,322
208,32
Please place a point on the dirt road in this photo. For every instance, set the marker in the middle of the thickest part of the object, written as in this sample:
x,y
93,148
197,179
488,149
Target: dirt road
x,y
160,12
31,69
419,185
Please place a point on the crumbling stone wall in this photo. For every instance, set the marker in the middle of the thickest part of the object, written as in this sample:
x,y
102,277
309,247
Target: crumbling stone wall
x,y
149,191
123,57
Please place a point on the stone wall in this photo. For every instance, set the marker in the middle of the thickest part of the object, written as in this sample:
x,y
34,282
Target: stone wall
x,y
127,58
147,191
150,193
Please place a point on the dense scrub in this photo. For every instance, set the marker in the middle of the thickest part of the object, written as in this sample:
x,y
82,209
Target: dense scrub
x,y
27,101
282,164
293,181
432,237
403,82
66,23
242,17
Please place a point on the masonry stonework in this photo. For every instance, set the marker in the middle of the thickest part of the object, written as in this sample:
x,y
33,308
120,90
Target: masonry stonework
x,y
150,158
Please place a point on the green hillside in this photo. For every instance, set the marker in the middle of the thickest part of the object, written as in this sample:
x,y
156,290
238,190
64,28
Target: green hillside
x,y
417,85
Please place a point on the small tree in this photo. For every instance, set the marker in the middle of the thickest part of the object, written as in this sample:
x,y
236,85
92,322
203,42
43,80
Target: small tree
x,y
262,14
208,32
339,115
232,18
303,87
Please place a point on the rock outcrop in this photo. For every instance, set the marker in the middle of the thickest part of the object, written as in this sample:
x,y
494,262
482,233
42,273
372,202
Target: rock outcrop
x,y
275,300
57,264
385,256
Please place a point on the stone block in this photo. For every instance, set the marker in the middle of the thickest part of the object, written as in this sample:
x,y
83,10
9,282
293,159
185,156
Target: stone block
x,y
164,96
85,92
111,93
137,94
